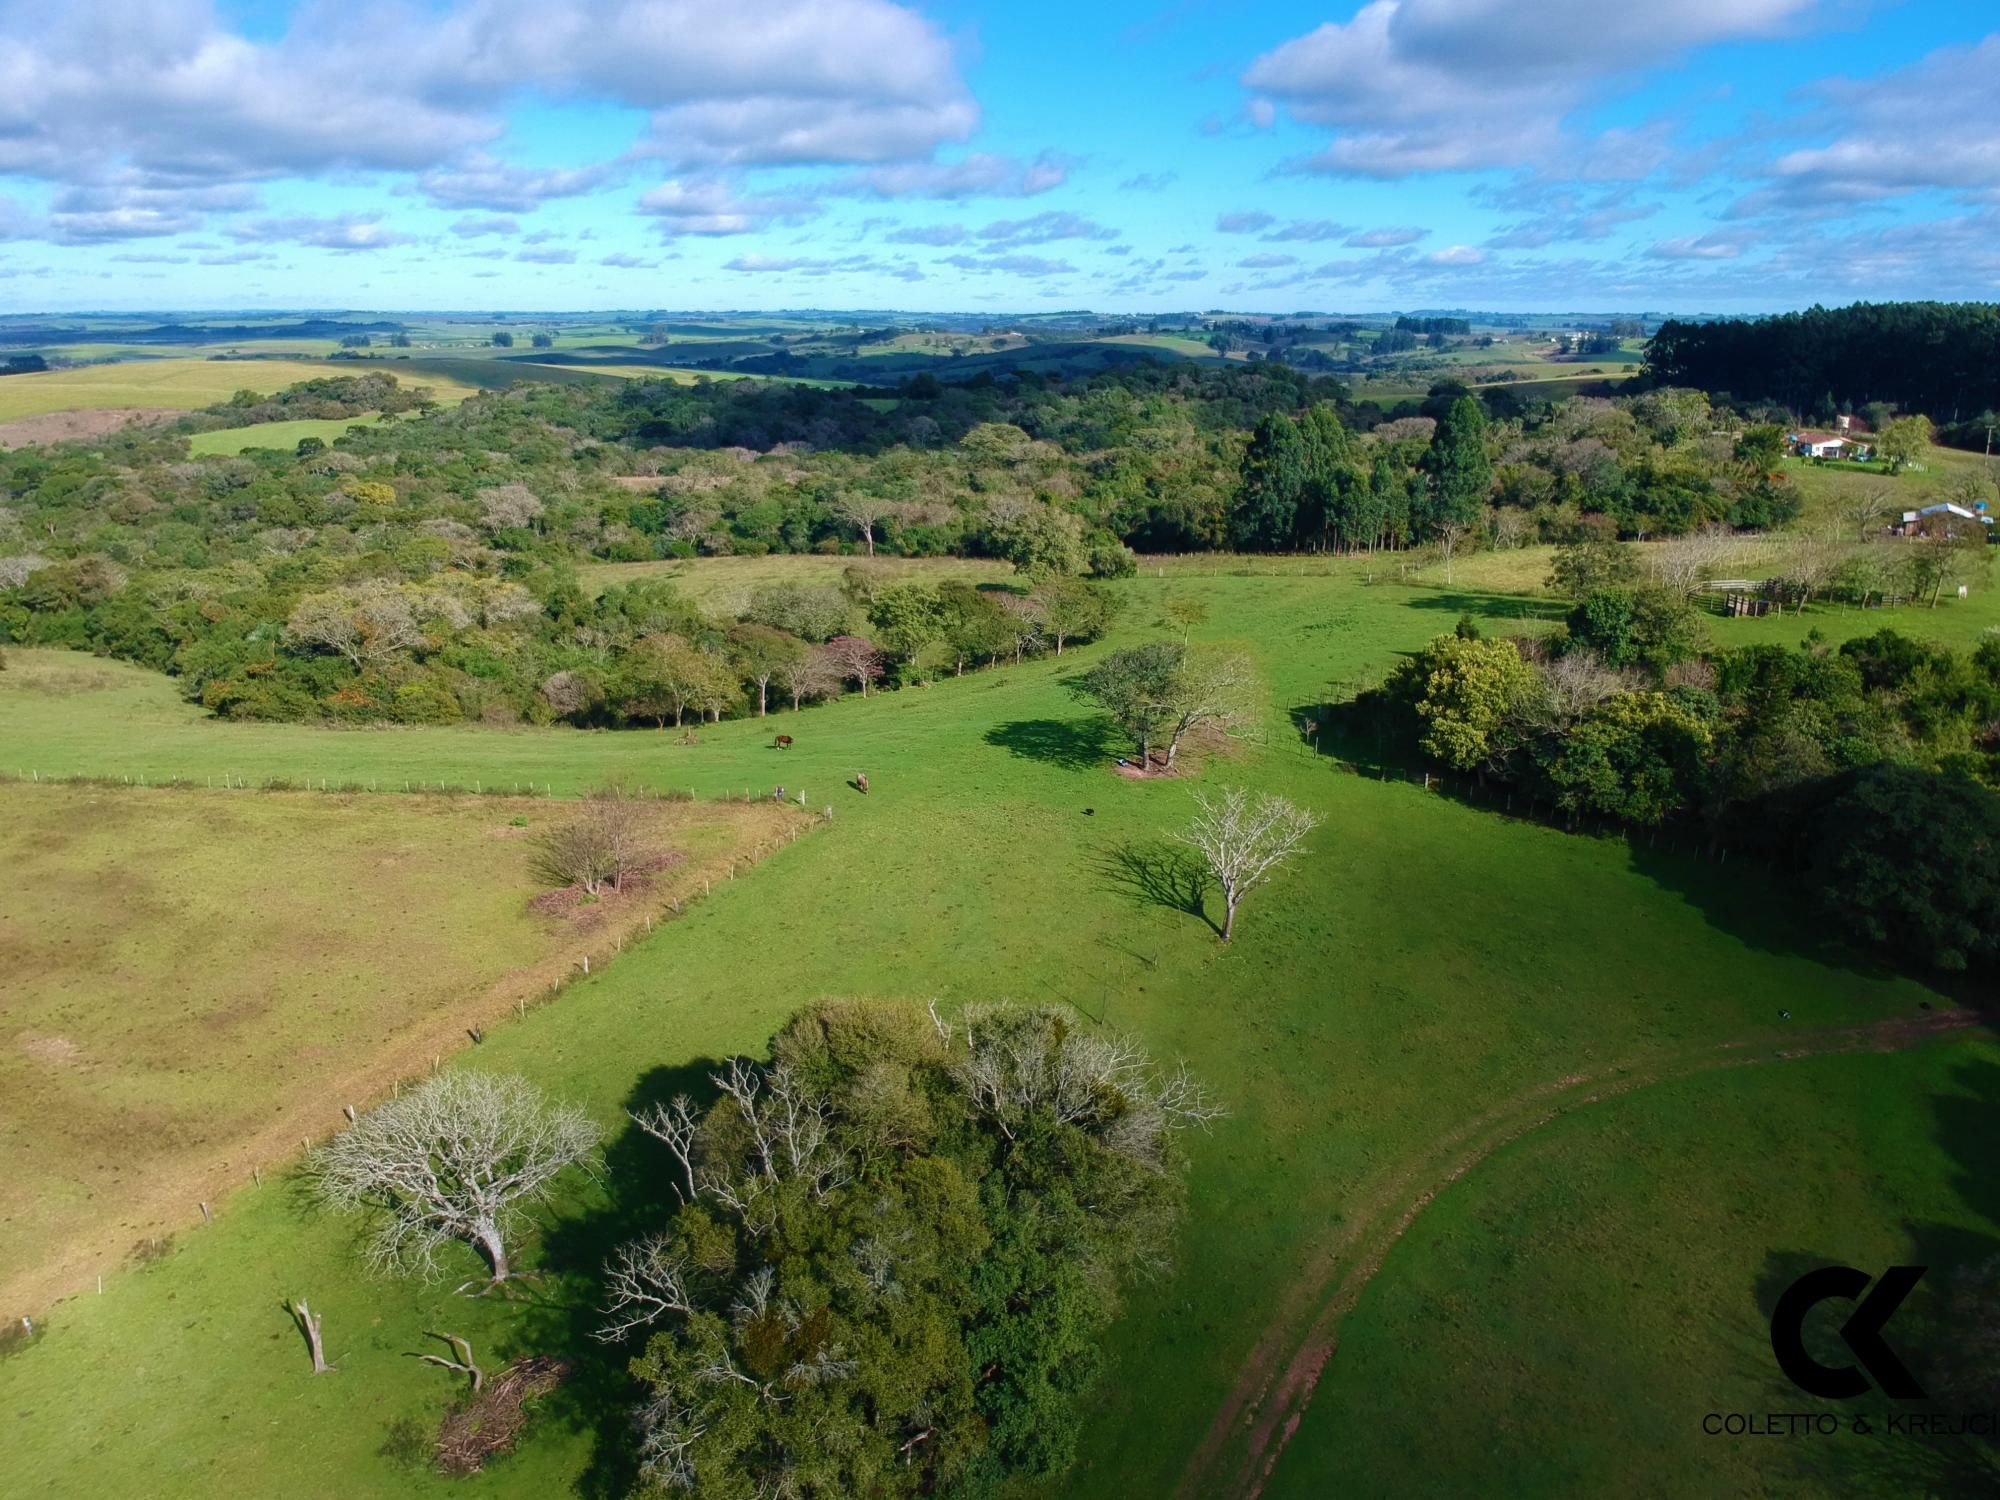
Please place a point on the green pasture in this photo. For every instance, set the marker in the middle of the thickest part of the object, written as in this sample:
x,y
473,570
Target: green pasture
x,y
181,383
725,584
1427,963
1526,1313
283,435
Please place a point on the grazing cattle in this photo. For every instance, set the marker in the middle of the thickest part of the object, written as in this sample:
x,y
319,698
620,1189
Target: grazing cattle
x,y
784,742
860,783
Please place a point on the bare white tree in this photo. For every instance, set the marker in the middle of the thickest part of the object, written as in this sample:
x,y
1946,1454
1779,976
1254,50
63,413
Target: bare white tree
x,y
865,513
365,622
1683,563
1244,841
1450,533
1578,681
1210,686
645,1281
456,1158
1015,1063
1863,508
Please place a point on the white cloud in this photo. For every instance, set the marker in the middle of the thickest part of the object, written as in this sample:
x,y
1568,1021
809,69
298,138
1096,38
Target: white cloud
x,y
481,180
1385,238
1043,228
1461,85
1456,255
1699,247
1310,230
472,227
131,97
980,175
712,206
929,234
1245,222
339,232
1933,124
1033,266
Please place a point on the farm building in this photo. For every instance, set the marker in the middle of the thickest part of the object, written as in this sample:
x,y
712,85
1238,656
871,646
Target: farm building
x,y
1944,519
1849,439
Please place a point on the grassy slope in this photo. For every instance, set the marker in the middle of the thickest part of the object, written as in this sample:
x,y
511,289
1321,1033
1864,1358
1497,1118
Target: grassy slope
x,y
1428,958
1532,1301
723,582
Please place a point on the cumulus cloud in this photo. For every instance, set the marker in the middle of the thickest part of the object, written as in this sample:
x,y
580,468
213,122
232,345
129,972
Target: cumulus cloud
x,y
802,265
1248,222
1563,216
472,227
1149,182
547,255
713,206
1043,228
1267,261
1459,85
340,232
624,262
929,234
484,181
1310,230
983,174
1032,266
135,97
1385,238
1934,124
1718,246
1456,255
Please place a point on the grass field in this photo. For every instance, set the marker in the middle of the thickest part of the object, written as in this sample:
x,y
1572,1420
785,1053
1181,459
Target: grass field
x,y
195,979
283,435
183,383
1429,964
1527,1310
726,583
180,383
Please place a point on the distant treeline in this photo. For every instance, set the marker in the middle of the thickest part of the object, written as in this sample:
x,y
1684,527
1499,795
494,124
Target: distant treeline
x,y
1940,358
42,335
1434,325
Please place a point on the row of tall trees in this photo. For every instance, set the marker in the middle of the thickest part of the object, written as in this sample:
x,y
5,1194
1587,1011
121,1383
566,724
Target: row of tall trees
x,y
1942,358
1307,483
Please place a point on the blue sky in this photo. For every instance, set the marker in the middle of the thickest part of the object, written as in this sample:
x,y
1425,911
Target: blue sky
x,y
965,155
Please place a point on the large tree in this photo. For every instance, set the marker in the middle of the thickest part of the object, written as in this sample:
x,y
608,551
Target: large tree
x,y
1460,474
1132,686
761,654
1069,608
897,1244
457,1158
1244,840
1909,859
1275,475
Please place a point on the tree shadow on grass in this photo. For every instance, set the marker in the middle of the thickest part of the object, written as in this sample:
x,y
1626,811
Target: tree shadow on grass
x,y
1934,1339
634,1197
1072,744
1490,606
1158,873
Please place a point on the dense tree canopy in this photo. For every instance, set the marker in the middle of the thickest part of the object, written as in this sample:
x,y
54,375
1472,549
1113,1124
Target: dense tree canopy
x,y
899,1239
